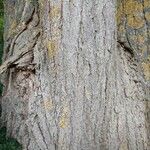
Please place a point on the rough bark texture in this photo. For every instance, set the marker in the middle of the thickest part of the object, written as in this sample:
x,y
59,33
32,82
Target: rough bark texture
x,y
79,87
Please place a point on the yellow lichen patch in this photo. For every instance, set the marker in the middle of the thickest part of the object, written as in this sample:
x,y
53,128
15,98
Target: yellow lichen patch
x,y
132,6
140,39
52,48
123,146
135,22
41,2
143,48
48,104
146,69
12,27
55,12
64,118
55,32
133,38
147,3
121,29
147,16
119,14
131,9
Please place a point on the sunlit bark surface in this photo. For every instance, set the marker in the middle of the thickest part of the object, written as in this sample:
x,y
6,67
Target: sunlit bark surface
x,y
83,82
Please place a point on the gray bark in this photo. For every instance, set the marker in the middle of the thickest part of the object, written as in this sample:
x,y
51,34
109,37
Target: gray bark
x,y
76,88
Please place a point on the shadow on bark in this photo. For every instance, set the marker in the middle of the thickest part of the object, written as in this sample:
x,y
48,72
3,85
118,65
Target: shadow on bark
x,y
5,142
8,143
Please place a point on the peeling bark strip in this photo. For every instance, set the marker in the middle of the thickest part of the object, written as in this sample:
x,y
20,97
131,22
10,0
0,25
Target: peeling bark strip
x,y
10,62
87,91
16,58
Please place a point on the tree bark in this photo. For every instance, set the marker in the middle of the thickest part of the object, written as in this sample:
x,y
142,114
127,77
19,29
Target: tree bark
x,y
82,79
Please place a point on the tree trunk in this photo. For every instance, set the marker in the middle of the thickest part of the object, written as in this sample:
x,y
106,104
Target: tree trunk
x,y
77,78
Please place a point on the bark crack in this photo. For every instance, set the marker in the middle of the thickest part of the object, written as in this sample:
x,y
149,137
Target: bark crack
x,y
126,48
10,62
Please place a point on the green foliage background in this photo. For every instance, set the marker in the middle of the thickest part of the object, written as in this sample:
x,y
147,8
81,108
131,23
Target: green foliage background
x,y
1,35
1,28
5,143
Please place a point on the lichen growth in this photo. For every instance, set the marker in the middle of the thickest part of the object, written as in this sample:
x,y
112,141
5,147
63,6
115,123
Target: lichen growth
x,y
120,13
146,3
132,7
140,39
123,146
12,27
64,118
55,12
135,22
41,3
132,10
48,104
147,16
121,28
143,49
146,70
133,17
52,48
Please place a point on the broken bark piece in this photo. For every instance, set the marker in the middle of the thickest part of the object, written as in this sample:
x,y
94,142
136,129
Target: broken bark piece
x,y
9,62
